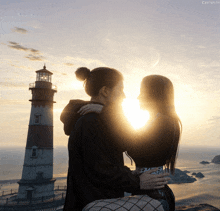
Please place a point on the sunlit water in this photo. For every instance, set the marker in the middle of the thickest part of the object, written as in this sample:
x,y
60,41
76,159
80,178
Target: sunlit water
x,y
204,190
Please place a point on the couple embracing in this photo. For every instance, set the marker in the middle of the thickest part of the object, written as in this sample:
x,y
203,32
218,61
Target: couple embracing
x,y
99,133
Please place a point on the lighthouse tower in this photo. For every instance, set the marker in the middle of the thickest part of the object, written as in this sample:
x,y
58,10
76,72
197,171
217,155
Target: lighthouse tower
x,y
37,175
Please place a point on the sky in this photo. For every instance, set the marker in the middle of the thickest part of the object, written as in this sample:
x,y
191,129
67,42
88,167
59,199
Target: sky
x,y
178,39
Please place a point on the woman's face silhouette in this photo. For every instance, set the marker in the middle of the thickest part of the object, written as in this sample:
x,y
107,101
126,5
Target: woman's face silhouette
x,y
156,92
143,98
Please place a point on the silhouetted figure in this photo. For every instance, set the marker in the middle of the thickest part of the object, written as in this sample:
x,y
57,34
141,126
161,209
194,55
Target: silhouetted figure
x,y
156,144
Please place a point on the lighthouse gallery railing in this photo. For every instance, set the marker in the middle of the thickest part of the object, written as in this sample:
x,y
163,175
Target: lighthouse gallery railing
x,y
32,85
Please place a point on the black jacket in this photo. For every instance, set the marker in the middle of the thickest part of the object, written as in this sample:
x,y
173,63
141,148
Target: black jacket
x,y
96,167
150,146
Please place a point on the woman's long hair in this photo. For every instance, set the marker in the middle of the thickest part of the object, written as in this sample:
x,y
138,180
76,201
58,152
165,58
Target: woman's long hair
x,y
159,92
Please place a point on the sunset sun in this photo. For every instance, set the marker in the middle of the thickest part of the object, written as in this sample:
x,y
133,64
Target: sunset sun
x,y
134,114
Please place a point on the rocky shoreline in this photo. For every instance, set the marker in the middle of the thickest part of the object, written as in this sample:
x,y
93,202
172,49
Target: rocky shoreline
x,y
181,177
216,159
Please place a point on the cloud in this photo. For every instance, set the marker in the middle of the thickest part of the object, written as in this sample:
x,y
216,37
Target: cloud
x,y
69,64
59,73
16,46
20,30
78,61
11,84
33,50
13,43
34,54
35,57
201,46
214,118
20,66
13,102
210,64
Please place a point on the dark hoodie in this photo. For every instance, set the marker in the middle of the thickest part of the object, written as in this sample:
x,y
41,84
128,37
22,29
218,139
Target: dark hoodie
x,y
96,166
69,115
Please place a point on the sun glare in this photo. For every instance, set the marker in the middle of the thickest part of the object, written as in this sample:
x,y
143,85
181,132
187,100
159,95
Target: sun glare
x,y
57,110
134,114
76,85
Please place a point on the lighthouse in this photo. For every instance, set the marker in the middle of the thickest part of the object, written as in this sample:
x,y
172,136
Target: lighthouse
x,y
37,175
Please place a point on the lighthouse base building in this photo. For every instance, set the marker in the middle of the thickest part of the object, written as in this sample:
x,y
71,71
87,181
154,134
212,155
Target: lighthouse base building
x,y
36,179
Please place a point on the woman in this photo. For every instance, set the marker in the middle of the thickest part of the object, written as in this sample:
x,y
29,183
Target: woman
x,y
156,145
96,168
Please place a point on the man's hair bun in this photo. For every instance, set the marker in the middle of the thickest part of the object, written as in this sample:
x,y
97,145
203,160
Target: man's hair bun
x,y
82,73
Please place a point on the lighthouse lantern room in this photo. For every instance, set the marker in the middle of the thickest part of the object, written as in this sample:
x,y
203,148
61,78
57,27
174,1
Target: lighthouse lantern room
x,y
37,175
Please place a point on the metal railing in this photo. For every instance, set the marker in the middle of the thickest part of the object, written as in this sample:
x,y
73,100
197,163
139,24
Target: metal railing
x,y
8,192
41,201
32,85
60,188
54,87
15,191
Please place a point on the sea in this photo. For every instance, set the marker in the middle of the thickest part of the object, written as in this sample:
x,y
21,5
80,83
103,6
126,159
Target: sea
x,y
204,190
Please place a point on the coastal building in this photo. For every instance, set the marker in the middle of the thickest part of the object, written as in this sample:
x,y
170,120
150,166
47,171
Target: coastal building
x,y
37,176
